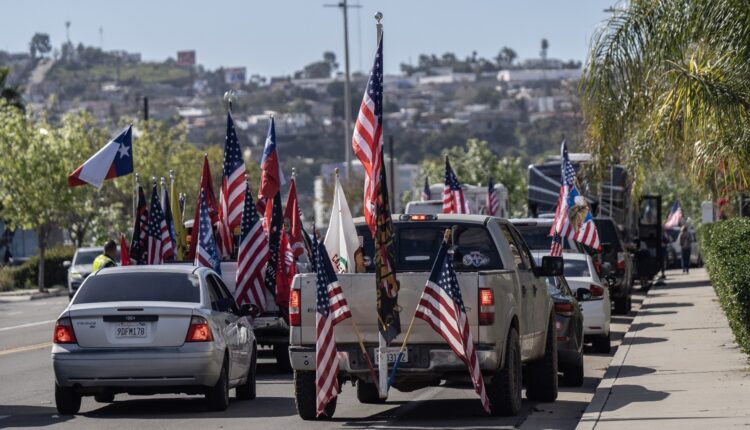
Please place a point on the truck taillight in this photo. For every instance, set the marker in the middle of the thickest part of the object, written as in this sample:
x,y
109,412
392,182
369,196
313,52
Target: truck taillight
x,y
486,306
295,319
620,261
199,330
64,331
596,291
564,309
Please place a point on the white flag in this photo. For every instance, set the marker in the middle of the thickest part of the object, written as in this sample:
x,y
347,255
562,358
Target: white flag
x,y
341,240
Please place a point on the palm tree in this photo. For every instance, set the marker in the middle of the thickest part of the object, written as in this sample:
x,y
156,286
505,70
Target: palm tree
x,y
669,80
11,94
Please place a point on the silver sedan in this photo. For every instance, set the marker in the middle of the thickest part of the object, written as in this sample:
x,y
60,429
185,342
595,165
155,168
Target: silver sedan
x,y
153,329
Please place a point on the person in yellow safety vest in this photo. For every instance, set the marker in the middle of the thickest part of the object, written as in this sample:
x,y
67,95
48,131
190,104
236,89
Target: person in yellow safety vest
x,y
107,259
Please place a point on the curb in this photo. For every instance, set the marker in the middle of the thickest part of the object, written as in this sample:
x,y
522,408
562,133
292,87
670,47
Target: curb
x,y
57,293
36,295
590,417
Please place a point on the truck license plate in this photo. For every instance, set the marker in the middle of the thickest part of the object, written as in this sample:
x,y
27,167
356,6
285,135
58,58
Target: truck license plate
x,y
391,354
131,330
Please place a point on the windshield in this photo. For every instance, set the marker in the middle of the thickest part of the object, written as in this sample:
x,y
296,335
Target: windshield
x,y
137,287
417,244
577,269
86,257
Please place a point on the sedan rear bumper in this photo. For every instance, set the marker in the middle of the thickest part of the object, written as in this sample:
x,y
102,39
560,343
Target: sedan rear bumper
x,y
159,367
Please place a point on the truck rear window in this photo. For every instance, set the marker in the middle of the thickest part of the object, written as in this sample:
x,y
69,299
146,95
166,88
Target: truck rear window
x,y
140,287
416,245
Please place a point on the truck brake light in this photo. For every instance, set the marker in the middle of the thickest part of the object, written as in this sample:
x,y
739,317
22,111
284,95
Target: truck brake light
x,y
486,306
295,319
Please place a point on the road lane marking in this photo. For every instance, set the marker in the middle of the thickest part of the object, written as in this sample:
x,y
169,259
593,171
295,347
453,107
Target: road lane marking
x,y
25,348
27,325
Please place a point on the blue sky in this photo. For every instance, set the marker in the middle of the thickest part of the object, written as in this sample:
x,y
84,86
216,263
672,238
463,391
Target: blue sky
x,y
274,37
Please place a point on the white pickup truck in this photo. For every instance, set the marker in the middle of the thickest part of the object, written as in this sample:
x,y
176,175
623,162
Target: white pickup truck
x,y
511,315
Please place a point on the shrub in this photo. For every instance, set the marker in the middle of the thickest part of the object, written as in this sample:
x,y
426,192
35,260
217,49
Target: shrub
x,y
725,246
27,274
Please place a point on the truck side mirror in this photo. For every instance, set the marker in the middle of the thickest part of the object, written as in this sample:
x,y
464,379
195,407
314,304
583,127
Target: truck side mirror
x,y
552,266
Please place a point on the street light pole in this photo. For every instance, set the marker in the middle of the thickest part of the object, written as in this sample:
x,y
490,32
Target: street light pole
x,y
347,88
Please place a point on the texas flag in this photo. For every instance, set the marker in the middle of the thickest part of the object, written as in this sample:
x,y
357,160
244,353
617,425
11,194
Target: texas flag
x,y
271,177
115,159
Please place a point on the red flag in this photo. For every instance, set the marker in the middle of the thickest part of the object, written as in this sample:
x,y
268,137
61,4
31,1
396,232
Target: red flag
x,y
124,253
293,222
207,184
271,177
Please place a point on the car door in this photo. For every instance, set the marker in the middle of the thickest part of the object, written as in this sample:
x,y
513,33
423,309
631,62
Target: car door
x,y
526,282
538,287
244,331
226,322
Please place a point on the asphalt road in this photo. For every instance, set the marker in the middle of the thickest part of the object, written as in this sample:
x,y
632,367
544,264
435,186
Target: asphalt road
x,y
27,398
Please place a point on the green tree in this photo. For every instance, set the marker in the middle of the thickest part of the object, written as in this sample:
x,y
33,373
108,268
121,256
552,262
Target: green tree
x,y
474,162
39,44
11,94
668,81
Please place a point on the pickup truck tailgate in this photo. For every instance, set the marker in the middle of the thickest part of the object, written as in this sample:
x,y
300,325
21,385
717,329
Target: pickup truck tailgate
x,y
362,301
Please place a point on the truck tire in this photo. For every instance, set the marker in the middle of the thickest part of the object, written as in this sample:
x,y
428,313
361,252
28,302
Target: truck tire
x,y
67,401
247,391
304,397
573,373
602,344
541,381
217,397
504,391
623,305
367,392
281,353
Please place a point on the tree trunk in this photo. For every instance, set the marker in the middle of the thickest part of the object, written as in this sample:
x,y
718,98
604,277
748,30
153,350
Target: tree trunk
x,y
42,237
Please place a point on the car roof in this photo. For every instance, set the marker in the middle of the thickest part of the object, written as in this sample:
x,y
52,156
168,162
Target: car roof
x,y
156,268
90,248
575,256
543,222
478,219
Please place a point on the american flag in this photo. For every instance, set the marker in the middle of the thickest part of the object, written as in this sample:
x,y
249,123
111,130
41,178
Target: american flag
x,y
159,243
166,207
138,243
426,193
207,187
232,193
493,200
206,254
675,215
453,196
252,256
332,308
556,247
442,306
368,136
573,219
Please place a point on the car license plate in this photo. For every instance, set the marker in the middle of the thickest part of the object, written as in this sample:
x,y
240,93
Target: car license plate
x,y
131,330
391,354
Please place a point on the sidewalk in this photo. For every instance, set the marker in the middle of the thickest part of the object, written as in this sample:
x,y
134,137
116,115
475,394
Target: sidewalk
x,y
31,294
678,366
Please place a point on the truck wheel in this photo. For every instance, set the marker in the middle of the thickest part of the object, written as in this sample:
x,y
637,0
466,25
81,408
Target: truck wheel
x,y
623,305
217,397
504,391
541,382
281,353
573,374
304,397
67,401
602,344
367,392
247,391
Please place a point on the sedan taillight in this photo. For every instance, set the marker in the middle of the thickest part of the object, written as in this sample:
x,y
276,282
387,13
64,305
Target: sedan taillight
x,y
564,309
596,291
64,331
295,319
199,331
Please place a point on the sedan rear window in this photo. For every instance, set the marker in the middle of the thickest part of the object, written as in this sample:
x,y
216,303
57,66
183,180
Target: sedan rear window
x,y
537,237
140,287
576,269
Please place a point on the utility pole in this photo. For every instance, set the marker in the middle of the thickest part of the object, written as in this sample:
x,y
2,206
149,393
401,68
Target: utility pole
x,y
347,86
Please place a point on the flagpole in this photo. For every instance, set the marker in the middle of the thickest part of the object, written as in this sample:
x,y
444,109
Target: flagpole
x,y
382,344
135,197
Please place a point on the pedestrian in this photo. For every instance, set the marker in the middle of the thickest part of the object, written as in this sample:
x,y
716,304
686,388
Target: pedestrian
x,y
685,240
664,252
107,258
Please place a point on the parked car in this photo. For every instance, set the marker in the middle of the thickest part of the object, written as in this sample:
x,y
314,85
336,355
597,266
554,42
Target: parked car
x,y
621,263
153,329
80,267
569,324
597,311
508,307
535,231
674,251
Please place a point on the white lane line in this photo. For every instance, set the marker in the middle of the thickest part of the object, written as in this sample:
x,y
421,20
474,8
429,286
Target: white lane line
x,y
27,325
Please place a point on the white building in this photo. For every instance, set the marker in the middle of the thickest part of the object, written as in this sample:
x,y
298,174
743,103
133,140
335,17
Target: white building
x,y
537,75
